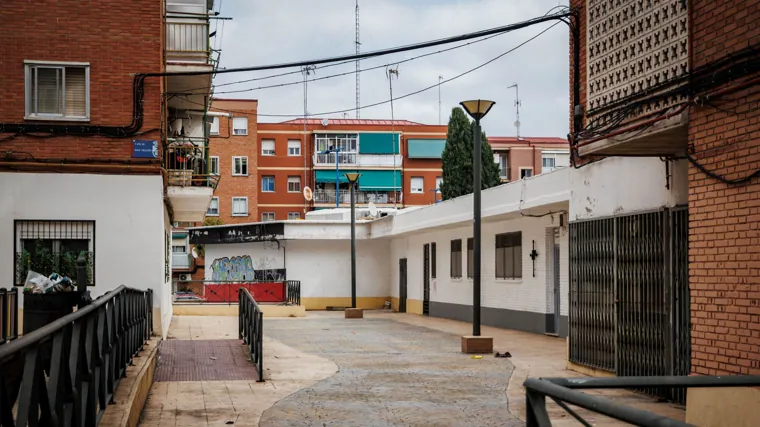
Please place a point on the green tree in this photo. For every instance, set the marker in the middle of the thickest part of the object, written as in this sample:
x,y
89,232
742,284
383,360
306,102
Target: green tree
x,y
457,158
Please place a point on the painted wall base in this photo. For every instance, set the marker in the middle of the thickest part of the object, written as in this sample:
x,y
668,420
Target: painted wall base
x,y
714,407
232,310
499,317
413,306
321,303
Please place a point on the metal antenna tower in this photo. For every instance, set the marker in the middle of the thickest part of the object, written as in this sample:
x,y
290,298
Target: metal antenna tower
x,y
307,70
358,43
440,79
391,73
517,107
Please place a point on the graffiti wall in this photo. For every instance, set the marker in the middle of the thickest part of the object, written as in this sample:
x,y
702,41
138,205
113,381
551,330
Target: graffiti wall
x,y
261,263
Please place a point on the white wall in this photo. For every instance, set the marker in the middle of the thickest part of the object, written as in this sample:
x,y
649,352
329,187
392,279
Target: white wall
x,y
618,185
130,224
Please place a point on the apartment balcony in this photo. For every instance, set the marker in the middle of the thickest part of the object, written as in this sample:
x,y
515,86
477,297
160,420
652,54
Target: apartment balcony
x,y
190,185
362,197
358,160
328,159
182,261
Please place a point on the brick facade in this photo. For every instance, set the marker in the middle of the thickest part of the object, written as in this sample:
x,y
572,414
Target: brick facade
x,y
105,37
724,223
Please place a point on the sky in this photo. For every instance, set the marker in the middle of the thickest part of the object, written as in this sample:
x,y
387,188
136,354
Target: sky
x,y
267,32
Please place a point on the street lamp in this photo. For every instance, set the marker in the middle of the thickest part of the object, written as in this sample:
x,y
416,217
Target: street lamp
x,y
477,109
335,150
352,178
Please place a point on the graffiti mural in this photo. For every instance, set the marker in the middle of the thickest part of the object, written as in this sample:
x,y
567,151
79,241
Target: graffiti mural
x,y
241,268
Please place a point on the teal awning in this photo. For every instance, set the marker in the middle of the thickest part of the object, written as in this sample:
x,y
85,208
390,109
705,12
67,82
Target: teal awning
x,y
370,180
378,143
426,148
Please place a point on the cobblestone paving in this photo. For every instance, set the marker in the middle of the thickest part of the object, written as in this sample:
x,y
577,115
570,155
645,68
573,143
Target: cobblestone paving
x,y
391,374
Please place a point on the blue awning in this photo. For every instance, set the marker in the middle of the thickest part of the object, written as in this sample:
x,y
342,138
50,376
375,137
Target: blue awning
x,y
426,148
370,180
378,143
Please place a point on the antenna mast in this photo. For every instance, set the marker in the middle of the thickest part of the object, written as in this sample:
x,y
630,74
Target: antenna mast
x,y
391,73
517,107
307,70
358,43
440,79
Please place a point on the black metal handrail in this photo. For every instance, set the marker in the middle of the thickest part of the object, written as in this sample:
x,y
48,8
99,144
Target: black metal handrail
x,y
8,315
65,373
563,391
293,292
251,329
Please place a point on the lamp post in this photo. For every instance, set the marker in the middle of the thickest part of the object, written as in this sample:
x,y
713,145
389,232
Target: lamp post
x,y
336,150
477,109
352,178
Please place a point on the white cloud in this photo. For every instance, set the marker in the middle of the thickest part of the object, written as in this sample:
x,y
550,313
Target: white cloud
x,y
265,32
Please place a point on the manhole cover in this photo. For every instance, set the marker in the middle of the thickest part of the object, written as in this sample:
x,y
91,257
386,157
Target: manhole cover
x,y
203,360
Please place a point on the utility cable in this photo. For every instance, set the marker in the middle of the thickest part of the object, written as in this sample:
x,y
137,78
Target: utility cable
x,y
720,178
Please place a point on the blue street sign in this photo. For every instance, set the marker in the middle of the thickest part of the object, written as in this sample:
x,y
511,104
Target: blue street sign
x,y
144,149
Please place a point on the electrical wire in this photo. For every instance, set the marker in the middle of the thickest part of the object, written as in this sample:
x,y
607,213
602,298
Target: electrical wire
x,y
720,178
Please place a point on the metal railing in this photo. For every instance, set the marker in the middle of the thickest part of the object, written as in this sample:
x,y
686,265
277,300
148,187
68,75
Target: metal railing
x,y
8,315
226,291
564,391
65,373
293,292
187,41
362,197
182,260
187,165
329,159
251,329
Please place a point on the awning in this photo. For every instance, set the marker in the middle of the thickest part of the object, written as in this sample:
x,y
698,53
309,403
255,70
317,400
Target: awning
x,y
378,143
426,148
370,180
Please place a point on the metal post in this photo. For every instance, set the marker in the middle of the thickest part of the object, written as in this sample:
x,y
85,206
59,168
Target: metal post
x,y
81,280
476,229
353,246
337,179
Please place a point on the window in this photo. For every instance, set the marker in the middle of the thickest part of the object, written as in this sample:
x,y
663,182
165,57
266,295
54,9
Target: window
x,y
240,125
525,173
470,258
267,184
294,148
548,162
438,182
214,126
294,184
57,91
240,206
267,216
456,259
213,207
267,147
240,165
213,166
509,255
48,247
433,261
294,215
179,249
418,184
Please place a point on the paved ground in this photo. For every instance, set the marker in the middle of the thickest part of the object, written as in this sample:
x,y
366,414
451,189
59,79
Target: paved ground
x,y
391,374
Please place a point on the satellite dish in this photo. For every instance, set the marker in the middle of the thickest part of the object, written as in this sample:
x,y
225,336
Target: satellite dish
x,y
307,193
325,122
195,253
372,209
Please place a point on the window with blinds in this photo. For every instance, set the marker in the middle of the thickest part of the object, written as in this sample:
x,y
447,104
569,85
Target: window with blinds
x,y
509,255
456,259
57,91
240,206
267,147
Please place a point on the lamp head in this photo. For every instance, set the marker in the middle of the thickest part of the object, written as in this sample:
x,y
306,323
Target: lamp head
x,y
352,177
477,108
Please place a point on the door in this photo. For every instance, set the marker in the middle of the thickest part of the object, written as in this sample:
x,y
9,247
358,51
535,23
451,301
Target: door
x,y
557,294
426,281
402,285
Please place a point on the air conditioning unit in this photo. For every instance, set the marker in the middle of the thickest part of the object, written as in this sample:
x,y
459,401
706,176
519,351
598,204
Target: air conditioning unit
x,y
184,277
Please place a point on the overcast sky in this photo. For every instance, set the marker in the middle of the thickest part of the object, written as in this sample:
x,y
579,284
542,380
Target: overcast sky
x,y
266,31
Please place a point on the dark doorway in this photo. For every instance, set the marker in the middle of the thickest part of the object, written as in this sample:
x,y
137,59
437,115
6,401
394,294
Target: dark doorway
x,y
402,285
555,284
426,281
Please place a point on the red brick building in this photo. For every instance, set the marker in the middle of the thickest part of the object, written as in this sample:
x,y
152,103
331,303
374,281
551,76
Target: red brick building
x,y
676,79
522,157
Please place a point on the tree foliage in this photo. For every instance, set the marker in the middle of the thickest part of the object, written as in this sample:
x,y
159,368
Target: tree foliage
x,y
457,158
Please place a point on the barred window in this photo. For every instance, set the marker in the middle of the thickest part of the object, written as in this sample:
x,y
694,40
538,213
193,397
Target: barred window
x,y
509,255
456,259
470,258
50,246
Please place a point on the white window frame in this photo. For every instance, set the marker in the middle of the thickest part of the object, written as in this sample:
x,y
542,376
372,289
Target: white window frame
x,y
291,182
213,199
213,165
293,216
265,216
525,169
236,129
266,152
438,182
420,190
29,115
234,198
234,164
214,130
274,184
292,148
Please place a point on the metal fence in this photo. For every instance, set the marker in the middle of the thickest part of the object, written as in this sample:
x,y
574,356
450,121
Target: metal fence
x,y
629,296
215,291
65,373
8,315
251,329
294,292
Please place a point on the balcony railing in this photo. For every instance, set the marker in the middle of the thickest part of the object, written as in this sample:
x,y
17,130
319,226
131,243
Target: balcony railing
x,y
362,197
329,159
187,40
181,260
187,165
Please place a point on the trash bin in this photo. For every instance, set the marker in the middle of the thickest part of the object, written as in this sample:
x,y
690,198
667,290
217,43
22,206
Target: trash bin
x,y
43,309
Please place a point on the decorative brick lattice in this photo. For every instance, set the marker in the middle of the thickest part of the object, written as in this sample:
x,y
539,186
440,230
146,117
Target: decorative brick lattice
x,y
632,47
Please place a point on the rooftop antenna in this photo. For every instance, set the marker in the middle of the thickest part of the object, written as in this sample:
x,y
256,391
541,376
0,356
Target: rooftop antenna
x,y
517,107
307,70
358,43
440,80
391,73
